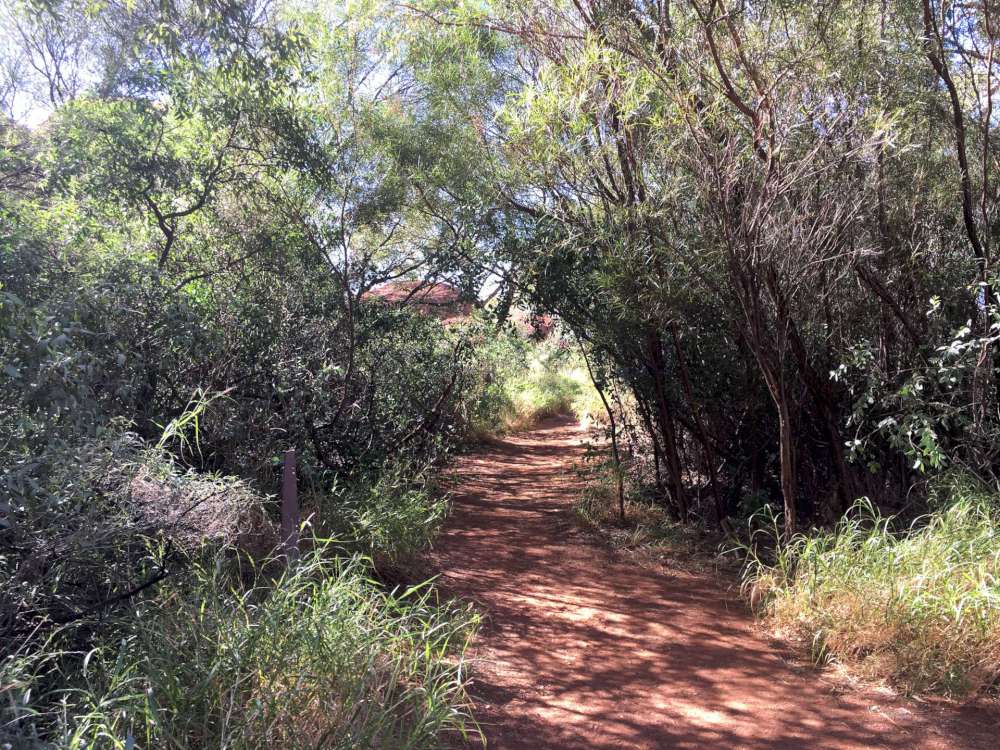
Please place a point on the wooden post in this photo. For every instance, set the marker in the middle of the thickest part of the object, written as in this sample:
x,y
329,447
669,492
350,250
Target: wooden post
x,y
290,507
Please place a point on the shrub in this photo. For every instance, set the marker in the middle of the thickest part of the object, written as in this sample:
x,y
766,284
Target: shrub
x,y
87,529
132,613
921,606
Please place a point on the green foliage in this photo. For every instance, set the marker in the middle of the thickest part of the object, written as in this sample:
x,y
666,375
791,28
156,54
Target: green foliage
x,y
920,605
528,381
740,221
188,246
318,657
937,417
104,520
547,389
723,238
389,516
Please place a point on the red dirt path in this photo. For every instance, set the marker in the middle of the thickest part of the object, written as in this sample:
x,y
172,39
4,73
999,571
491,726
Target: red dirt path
x,y
583,651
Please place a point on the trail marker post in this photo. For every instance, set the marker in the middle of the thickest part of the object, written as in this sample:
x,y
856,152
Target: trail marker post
x,y
290,517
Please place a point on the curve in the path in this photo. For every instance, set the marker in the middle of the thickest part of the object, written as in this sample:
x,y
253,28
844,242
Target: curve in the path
x,y
583,651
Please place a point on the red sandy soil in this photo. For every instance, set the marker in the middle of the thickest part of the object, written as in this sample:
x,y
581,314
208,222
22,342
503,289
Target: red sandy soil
x,y
583,650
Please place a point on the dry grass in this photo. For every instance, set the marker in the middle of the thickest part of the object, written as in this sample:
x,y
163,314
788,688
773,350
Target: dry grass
x,y
647,534
920,608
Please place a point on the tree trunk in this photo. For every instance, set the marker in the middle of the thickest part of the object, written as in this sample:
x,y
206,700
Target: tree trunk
x,y
613,425
665,419
700,432
787,452
654,438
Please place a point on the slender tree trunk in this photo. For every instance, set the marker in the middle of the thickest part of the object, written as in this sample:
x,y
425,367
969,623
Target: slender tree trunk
x,y
822,397
772,369
675,471
654,438
613,427
787,451
700,432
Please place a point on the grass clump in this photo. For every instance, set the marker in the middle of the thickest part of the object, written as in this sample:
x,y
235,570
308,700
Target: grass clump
x,y
541,393
555,383
318,657
647,531
920,607
388,516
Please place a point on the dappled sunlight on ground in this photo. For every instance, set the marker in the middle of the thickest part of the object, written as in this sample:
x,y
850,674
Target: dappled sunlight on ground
x,y
583,651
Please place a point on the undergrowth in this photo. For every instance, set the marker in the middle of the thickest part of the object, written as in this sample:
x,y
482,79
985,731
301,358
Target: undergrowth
x,y
647,532
317,657
141,607
389,516
918,605
533,381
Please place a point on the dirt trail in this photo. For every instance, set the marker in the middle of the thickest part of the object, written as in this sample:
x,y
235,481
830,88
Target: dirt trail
x,y
583,651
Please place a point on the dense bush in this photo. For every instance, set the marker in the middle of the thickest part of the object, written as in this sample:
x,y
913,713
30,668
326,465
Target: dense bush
x,y
188,246
140,604
111,520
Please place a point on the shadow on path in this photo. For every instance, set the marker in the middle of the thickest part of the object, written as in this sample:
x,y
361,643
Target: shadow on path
x,y
582,651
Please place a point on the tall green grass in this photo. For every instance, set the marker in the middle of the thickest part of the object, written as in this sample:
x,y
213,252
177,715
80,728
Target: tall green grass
x,y
920,606
389,516
319,657
541,393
